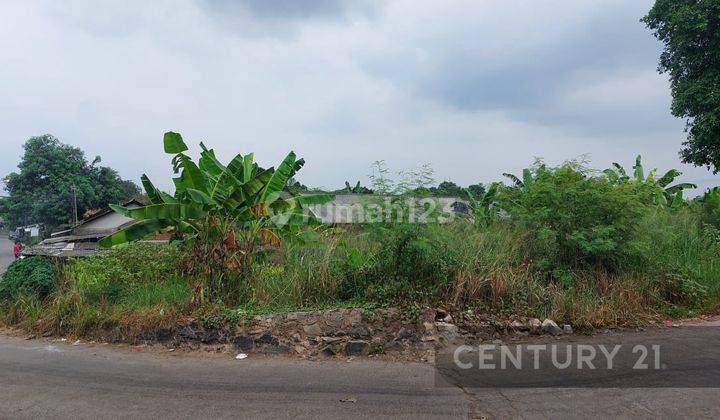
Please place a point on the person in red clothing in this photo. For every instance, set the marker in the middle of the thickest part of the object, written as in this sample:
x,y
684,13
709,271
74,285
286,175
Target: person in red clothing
x,y
17,248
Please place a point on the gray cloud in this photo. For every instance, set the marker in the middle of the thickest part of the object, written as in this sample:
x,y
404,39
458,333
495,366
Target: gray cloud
x,y
491,61
292,9
476,88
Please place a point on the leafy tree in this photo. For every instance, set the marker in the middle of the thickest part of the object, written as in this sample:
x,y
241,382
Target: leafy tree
x,y
296,187
690,30
42,192
357,189
477,189
112,189
449,189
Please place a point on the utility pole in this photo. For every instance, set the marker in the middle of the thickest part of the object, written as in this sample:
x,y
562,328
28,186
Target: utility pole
x,y
75,215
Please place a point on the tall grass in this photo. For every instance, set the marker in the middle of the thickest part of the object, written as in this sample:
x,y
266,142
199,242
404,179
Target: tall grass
x,y
134,282
671,267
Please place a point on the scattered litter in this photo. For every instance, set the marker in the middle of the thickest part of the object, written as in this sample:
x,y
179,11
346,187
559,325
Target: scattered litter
x,y
76,343
667,323
241,356
52,349
63,339
171,349
349,400
138,347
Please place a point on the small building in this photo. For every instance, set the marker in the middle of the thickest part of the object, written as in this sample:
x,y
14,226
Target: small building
x,y
83,239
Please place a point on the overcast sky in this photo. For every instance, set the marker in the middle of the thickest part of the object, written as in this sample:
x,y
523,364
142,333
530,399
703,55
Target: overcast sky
x,y
475,88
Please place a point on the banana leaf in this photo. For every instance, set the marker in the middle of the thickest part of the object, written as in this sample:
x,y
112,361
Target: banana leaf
x,y
135,232
173,143
669,177
679,187
514,179
620,171
191,176
201,197
279,178
228,180
235,168
638,170
678,200
209,164
611,175
167,211
120,209
490,195
248,168
167,198
298,165
235,198
527,179
150,190
256,184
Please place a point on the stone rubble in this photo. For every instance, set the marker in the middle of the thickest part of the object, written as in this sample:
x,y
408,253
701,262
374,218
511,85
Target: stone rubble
x,y
549,326
350,332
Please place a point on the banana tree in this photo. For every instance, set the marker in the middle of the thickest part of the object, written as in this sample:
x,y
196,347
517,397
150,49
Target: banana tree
x,y
240,191
525,183
483,205
666,194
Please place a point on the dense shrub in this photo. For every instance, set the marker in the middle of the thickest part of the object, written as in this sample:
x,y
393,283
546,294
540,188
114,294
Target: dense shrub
x,y
33,276
410,262
710,208
575,220
135,275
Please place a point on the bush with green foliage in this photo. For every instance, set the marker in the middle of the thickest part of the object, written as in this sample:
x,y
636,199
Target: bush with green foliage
x,y
576,220
29,276
710,207
410,262
132,276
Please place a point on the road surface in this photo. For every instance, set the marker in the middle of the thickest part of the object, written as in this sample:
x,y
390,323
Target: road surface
x,y
40,379
50,379
6,255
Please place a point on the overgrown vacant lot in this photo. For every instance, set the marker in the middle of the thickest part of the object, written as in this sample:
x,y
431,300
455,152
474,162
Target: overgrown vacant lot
x,y
666,263
579,246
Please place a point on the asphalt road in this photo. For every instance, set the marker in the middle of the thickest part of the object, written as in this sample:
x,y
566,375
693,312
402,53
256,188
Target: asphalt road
x,y
40,379
49,379
6,255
